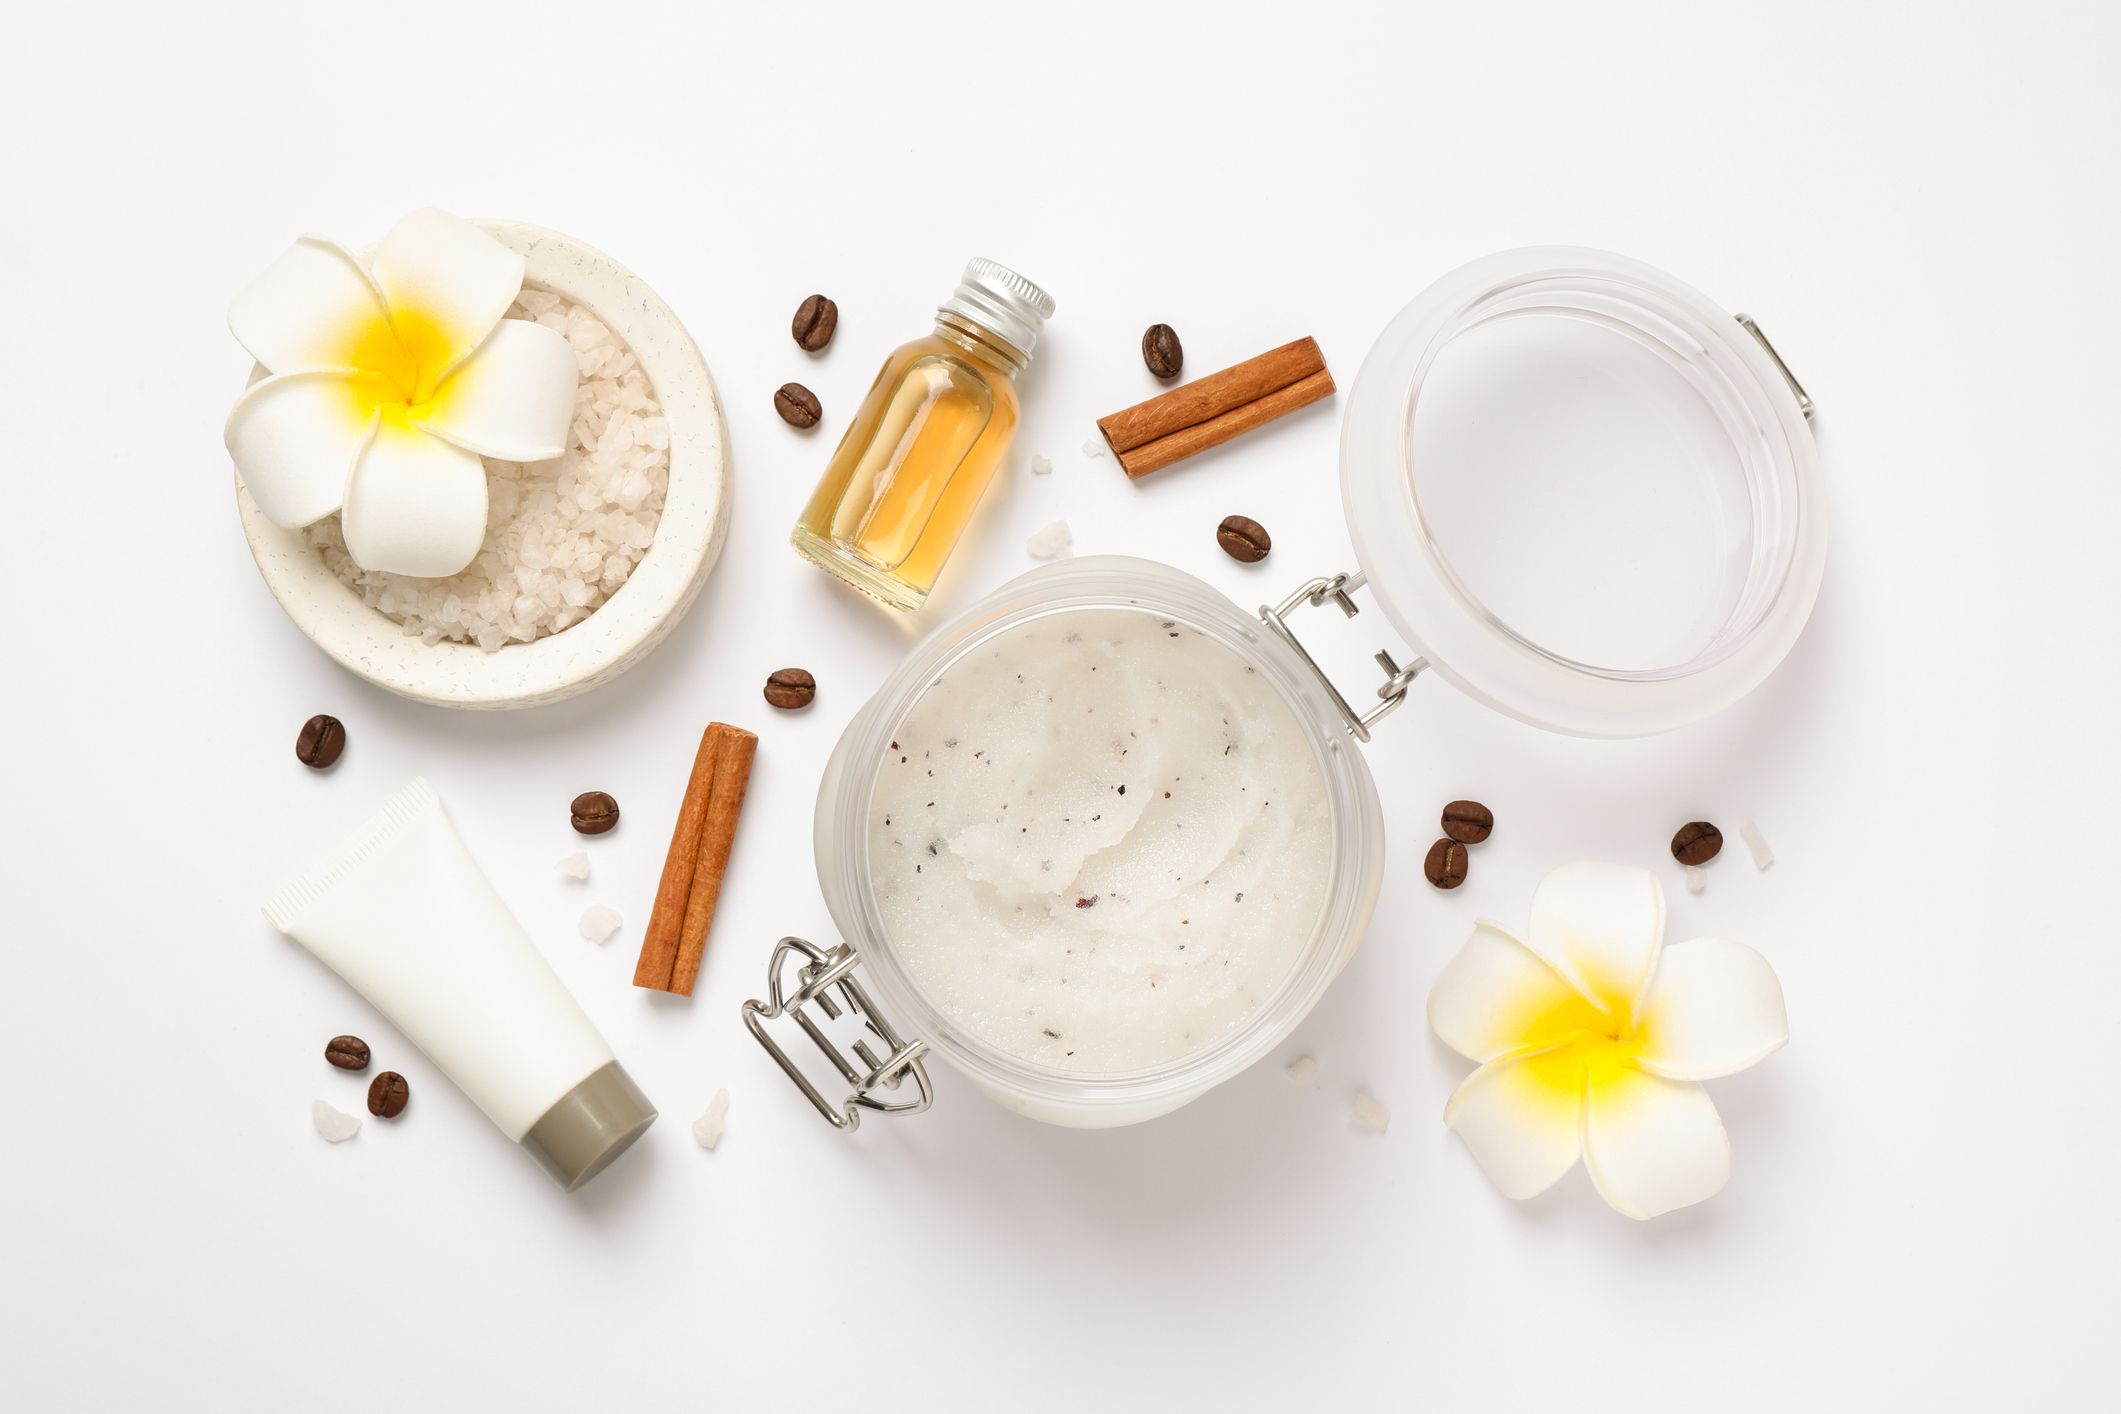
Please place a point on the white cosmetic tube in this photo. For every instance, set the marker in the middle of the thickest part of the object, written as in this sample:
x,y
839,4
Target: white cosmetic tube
x,y
407,917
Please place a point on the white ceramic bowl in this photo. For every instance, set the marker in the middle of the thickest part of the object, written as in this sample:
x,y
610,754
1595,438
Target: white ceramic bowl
x,y
688,537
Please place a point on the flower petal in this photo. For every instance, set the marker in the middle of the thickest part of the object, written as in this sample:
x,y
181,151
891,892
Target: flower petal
x,y
295,438
1651,1144
416,505
316,308
1714,1008
1600,925
512,399
1522,1116
447,284
1497,995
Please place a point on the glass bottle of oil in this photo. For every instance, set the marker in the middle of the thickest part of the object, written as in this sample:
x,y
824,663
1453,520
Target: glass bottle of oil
x,y
926,441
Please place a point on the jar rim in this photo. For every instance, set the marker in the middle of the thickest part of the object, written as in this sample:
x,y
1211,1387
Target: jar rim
x,y
1426,599
1113,582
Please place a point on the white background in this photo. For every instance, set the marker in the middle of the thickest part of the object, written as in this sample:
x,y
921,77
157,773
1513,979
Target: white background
x,y
1918,200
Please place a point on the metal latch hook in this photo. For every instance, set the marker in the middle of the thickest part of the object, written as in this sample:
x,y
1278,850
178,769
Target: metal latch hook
x,y
817,980
1339,589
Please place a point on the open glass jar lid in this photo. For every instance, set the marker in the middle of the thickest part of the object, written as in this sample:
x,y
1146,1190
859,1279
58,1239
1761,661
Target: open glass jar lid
x,y
1583,492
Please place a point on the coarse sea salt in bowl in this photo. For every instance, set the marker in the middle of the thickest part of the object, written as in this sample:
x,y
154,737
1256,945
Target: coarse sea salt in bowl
x,y
440,641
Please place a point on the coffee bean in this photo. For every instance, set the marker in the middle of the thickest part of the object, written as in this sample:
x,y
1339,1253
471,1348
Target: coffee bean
x,y
1243,538
347,1052
592,813
1446,864
1697,842
320,741
791,689
1161,350
387,1094
1468,821
815,320
797,405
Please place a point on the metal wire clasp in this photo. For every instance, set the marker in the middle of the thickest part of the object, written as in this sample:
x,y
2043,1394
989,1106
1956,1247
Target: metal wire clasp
x,y
1804,399
816,981
1393,691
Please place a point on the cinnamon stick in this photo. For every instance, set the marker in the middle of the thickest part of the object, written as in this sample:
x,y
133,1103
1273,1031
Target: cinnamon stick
x,y
1208,411
732,777
685,898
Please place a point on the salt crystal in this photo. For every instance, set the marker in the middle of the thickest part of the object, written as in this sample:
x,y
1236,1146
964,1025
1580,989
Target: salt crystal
x,y
599,922
708,1127
1763,857
1697,878
575,866
335,1125
1095,447
1301,1069
1369,1116
1041,466
1050,542
584,332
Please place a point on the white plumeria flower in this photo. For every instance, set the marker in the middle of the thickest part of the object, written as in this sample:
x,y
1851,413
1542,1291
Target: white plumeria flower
x,y
388,384
1591,1040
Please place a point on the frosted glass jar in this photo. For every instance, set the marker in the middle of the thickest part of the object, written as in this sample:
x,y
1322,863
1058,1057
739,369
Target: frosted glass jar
x,y
1354,869
1584,493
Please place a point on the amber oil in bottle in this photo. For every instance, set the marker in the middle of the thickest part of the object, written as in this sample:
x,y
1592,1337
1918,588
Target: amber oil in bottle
x,y
925,441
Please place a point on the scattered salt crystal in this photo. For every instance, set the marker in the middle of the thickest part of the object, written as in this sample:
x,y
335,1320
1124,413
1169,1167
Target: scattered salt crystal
x,y
335,1125
1763,857
1369,1116
1302,1069
599,922
575,866
1050,542
1697,878
1095,447
1041,465
708,1127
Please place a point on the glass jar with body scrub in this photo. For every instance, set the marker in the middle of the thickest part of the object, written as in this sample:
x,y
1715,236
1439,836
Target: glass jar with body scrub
x,y
1105,839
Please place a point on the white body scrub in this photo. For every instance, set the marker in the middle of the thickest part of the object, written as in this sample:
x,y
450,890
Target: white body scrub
x,y
1099,841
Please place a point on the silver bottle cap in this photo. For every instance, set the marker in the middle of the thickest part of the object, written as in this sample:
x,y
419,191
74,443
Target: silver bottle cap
x,y
1001,301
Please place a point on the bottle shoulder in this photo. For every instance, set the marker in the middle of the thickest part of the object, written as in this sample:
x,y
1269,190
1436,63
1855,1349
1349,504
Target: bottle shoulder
x,y
959,353
999,382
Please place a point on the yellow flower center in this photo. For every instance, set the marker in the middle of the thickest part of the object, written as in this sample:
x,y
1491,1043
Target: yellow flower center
x,y
400,361
1590,1055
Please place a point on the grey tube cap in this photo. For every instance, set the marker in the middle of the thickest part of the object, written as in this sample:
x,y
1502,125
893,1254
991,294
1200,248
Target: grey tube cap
x,y
589,1126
